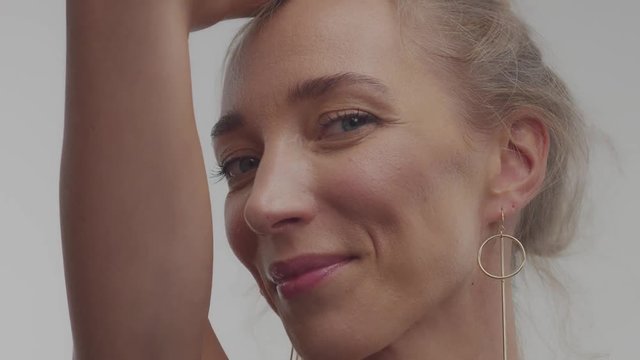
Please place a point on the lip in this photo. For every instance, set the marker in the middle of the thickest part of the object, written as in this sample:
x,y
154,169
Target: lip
x,y
303,273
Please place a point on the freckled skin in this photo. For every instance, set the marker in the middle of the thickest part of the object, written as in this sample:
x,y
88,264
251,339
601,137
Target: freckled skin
x,y
407,196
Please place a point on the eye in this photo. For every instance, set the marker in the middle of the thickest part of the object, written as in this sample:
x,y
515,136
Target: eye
x,y
235,167
347,121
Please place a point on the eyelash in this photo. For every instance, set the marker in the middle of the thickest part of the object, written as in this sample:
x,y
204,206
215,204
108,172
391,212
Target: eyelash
x,y
221,171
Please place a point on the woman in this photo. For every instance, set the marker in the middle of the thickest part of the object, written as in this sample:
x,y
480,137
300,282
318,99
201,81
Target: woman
x,y
370,148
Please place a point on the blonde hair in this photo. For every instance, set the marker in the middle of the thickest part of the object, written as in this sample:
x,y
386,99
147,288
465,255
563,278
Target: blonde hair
x,y
499,69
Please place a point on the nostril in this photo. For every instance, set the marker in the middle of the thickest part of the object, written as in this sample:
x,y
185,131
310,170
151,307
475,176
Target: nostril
x,y
285,222
251,226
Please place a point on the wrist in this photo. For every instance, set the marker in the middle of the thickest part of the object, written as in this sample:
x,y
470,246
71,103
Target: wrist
x,y
205,13
129,14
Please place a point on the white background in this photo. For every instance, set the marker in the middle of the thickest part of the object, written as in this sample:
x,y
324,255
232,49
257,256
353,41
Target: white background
x,y
593,45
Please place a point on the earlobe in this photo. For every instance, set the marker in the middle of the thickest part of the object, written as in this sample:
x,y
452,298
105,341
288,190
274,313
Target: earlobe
x,y
522,163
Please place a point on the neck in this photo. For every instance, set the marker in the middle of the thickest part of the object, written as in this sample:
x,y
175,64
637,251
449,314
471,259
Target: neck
x,y
467,325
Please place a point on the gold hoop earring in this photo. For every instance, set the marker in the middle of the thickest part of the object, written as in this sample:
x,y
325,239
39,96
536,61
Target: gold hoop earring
x,y
502,277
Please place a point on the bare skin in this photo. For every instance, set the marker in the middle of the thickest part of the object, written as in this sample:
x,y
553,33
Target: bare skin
x,y
136,233
392,178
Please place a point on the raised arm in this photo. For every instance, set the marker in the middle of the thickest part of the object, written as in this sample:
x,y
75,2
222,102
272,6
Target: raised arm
x,y
135,212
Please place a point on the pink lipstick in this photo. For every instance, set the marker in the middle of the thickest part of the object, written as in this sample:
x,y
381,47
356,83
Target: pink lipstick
x,y
303,273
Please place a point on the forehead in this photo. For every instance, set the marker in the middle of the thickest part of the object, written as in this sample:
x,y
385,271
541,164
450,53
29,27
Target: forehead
x,y
307,39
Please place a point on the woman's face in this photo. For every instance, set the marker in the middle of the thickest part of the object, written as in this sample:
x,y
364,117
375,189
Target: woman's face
x,y
339,142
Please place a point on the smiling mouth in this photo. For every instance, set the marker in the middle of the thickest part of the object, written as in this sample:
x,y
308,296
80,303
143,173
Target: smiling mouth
x,y
303,273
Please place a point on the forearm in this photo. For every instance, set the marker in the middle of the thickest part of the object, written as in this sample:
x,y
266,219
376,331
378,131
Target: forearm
x,y
135,213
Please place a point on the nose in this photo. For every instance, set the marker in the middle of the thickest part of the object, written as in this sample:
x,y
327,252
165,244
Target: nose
x,y
282,191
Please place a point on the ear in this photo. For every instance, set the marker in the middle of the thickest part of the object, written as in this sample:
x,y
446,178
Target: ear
x,y
521,164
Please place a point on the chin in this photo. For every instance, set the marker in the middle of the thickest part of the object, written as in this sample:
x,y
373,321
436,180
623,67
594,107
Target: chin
x,y
333,347
339,335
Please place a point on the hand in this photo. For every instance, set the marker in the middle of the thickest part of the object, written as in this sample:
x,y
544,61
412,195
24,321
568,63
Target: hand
x,y
205,13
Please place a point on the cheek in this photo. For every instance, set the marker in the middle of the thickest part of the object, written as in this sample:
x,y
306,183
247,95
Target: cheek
x,y
241,240
442,231
363,187
385,193
415,201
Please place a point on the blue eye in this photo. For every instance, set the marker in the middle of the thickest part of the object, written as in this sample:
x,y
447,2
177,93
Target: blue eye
x,y
234,167
350,121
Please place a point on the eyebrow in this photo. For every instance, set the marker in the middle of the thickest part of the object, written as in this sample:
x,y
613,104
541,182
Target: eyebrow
x,y
308,89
